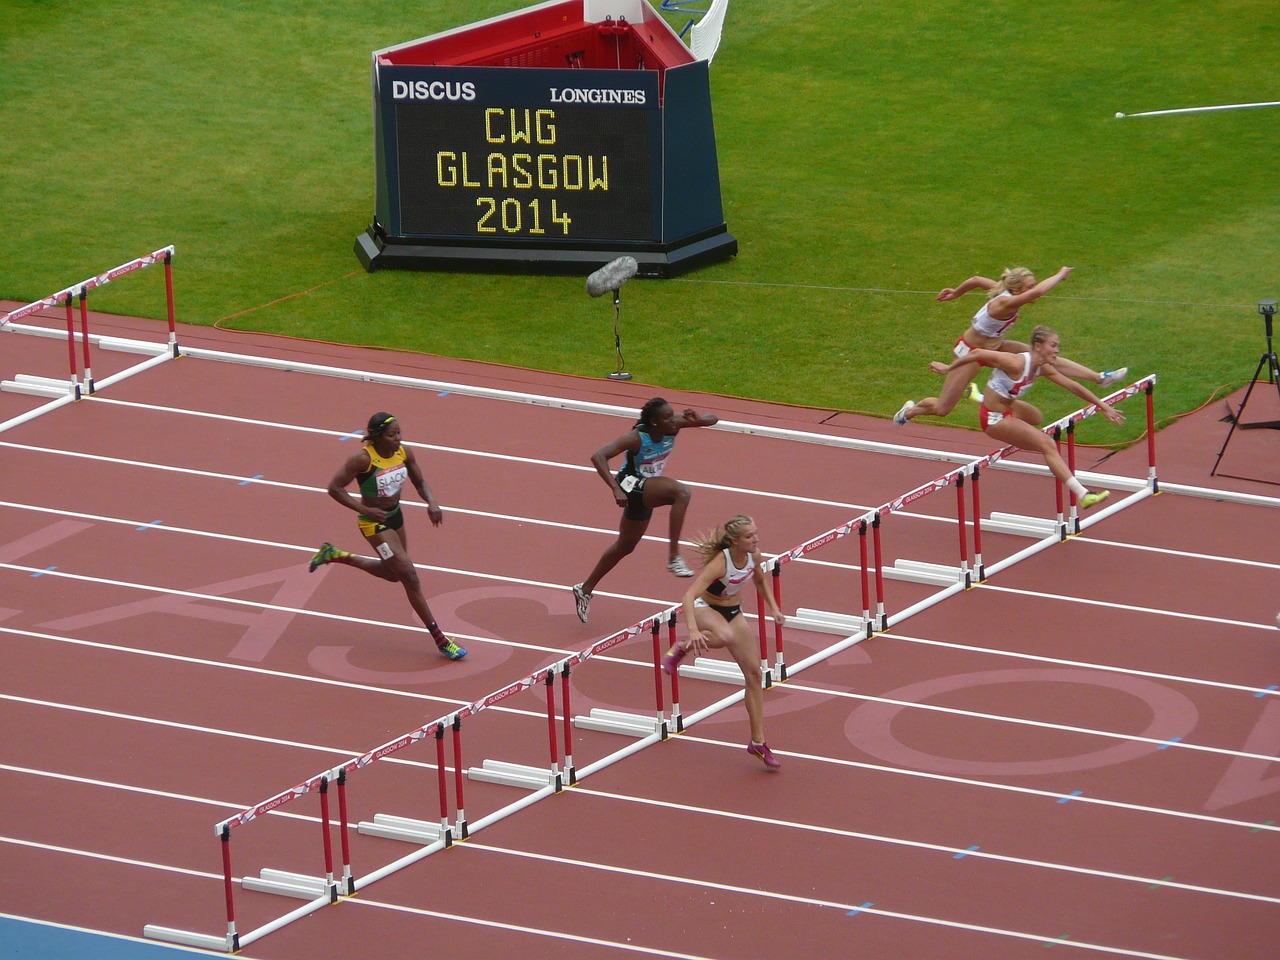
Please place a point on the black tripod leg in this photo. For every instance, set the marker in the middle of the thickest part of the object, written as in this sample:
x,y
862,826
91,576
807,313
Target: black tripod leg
x,y
1262,361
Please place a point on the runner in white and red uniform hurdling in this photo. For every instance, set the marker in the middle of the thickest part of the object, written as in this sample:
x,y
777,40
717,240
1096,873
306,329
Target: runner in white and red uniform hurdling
x,y
1016,288
1005,417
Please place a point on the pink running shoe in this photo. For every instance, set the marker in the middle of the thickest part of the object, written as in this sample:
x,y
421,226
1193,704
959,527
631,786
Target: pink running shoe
x,y
764,754
671,659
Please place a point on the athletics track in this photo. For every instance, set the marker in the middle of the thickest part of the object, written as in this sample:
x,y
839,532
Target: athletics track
x,y
1078,754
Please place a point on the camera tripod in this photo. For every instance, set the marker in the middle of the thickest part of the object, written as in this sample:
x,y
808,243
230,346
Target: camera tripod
x,y
1268,310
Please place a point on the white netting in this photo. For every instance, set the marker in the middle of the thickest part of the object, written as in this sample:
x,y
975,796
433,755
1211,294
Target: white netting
x,y
704,36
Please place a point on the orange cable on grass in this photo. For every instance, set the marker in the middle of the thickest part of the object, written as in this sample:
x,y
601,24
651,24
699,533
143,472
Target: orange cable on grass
x,y
217,324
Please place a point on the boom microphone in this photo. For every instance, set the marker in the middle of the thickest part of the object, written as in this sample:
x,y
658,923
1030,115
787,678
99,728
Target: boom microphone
x,y
612,276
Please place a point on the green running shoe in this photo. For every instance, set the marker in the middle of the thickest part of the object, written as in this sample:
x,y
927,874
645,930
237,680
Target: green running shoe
x,y
326,554
1093,499
451,649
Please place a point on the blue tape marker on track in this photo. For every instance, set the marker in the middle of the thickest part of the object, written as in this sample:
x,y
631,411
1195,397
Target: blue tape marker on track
x,y
256,476
1271,689
1071,796
1166,746
964,853
44,571
353,435
444,394
148,526
856,910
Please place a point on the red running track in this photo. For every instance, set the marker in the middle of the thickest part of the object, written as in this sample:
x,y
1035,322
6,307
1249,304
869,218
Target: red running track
x,y
1080,753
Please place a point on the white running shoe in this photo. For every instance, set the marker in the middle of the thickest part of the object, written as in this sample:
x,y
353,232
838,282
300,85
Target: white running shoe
x,y
677,566
581,600
900,418
1113,376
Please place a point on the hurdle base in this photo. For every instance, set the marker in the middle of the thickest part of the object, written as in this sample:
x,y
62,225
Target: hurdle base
x,y
918,571
824,621
201,941
706,668
615,721
1036,527
124,345
405,829
37,386
511,774
286,884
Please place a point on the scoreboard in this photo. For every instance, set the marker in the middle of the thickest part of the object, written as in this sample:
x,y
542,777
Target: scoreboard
x,y
496,154
546,168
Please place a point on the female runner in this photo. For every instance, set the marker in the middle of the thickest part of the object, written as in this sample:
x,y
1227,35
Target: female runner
x,y
639,487
380,468
1005,417
731,557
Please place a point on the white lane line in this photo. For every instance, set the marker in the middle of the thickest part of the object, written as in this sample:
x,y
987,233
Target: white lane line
x,y
857,509
1080,664
108,858
803,827
243,667
145,791
810,901
1217,558
192,728
1039,724
339,617
1128,607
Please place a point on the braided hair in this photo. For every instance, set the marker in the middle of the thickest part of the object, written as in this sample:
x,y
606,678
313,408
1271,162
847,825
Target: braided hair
x,y
647,412
378,424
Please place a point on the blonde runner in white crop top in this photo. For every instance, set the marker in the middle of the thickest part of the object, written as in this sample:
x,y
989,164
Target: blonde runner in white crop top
x,y
988,325
735,578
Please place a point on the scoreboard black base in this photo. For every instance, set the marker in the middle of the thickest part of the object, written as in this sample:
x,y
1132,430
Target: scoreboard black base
x,y
377,251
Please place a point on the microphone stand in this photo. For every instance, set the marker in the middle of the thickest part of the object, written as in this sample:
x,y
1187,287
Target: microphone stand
x,y
618,374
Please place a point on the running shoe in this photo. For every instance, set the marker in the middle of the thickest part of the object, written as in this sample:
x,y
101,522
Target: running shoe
x,y
451,649
900,418
1093,499
582,600
762,753
326,554
1113,376
974,393
671,659
677,566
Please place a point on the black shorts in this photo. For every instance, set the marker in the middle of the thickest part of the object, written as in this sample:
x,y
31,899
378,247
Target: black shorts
x,y
727,612
635,508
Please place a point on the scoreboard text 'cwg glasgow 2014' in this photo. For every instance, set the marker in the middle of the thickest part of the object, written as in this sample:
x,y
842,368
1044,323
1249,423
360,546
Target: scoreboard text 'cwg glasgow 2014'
x,y
548,140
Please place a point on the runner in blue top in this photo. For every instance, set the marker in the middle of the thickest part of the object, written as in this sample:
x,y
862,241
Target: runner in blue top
x,y
639,487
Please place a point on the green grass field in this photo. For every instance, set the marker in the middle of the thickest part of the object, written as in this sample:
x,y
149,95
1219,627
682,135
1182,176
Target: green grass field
x,y
869,154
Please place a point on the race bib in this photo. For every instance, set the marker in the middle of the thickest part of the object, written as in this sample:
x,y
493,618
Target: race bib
x,y
390,481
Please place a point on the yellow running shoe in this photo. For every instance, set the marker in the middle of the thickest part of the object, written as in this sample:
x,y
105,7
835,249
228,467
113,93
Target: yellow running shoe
x,y
1093,499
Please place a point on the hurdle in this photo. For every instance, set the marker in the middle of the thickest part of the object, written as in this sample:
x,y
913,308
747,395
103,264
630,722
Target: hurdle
x,y
78,385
